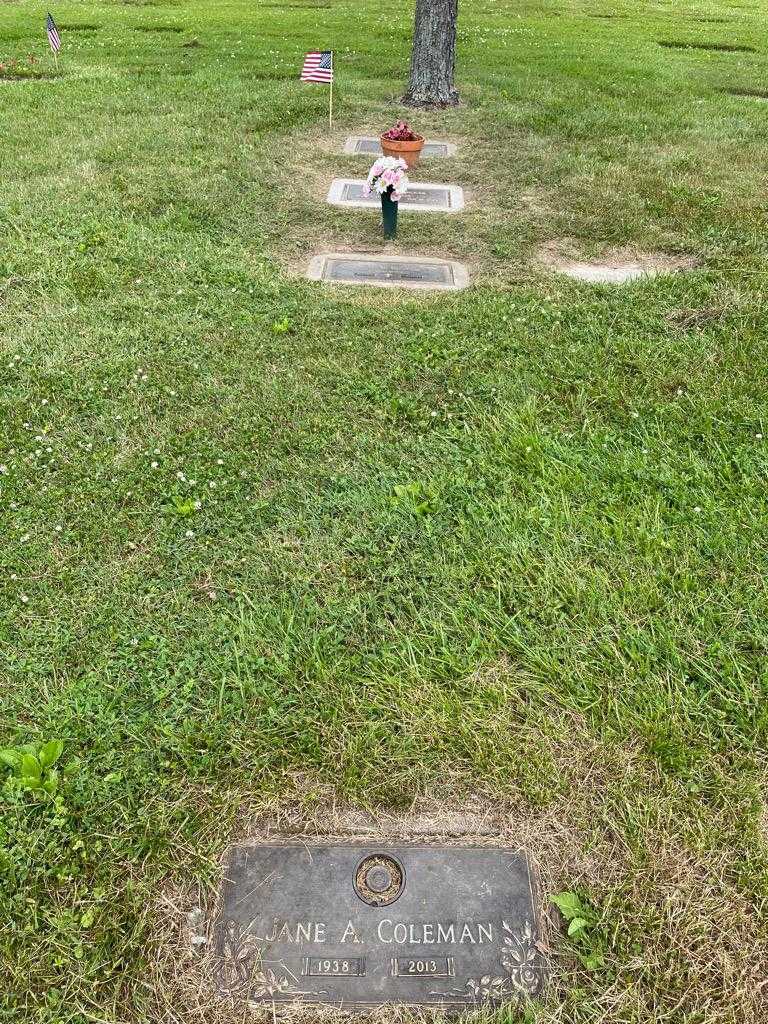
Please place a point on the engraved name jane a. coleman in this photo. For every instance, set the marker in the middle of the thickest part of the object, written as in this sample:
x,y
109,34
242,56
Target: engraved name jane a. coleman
x,y
386,932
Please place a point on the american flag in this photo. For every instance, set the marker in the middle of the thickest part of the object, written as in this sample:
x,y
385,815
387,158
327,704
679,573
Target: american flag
x,y
53,34
318,67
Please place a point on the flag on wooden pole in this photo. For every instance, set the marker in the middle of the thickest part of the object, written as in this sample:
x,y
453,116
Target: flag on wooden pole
x,y
318,67
54,39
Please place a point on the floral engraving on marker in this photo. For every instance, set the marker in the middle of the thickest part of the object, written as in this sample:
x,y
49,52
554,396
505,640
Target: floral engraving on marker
x,y
519,958
486,987
241,971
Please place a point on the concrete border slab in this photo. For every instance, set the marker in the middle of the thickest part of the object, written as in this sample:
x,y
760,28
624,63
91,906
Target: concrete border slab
x,y
333,268
422,197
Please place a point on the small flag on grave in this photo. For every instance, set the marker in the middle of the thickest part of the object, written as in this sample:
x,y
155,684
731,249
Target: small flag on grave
x,y
318,67
54,38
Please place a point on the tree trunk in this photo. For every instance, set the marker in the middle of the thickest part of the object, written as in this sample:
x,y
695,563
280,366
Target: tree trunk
x,y
434,55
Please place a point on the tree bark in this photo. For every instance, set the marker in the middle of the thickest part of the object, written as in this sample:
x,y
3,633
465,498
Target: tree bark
x,y
433,56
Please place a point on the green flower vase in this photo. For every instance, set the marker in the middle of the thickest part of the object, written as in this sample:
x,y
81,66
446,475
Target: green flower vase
x,y
389,213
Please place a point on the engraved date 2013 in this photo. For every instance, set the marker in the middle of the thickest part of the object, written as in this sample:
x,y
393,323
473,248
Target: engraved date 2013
x,y
422,967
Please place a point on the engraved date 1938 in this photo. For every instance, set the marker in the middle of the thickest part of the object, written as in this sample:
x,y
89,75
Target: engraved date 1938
x,y
334,967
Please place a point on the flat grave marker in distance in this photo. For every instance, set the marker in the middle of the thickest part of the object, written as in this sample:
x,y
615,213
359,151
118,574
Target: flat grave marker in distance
x,y
389,271
423,196
369,145
362,926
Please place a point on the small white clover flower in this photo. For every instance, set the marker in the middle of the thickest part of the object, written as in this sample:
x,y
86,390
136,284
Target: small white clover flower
x,y
154,465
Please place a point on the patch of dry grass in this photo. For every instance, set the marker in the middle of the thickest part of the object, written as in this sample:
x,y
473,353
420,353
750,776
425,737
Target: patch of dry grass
x,y
687,944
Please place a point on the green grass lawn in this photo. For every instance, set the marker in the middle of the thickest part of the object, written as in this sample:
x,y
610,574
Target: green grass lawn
x,y
267,544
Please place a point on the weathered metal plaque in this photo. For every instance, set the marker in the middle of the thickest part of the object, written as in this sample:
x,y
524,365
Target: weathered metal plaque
x,y
371,146
438,197
389,271
361,926
393,271
425,196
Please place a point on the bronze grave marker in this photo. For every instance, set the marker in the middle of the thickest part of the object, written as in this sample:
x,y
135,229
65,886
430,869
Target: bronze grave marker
x,y
359,926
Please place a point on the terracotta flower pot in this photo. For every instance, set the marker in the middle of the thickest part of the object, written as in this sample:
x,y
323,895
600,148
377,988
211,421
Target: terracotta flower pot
x,y
409,151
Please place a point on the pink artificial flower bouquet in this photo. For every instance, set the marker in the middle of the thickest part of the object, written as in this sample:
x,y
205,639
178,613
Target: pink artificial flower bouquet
x,y
388,172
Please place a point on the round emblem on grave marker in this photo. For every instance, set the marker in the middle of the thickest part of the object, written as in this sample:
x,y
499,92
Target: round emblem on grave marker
x,y
379,879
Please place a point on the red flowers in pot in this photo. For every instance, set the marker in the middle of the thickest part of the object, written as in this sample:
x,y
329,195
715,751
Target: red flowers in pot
x,y
401,141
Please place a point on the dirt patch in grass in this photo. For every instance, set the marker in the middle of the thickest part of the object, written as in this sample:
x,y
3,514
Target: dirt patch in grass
x,y
272,76
157,28
43,76
720,47
753,94
615,266
695,319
